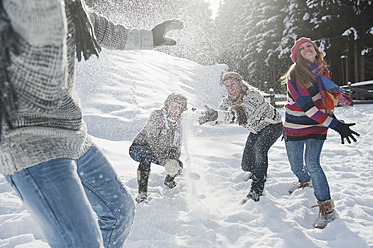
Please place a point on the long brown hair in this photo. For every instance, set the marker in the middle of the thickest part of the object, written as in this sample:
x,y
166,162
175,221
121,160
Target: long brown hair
x,y
301,71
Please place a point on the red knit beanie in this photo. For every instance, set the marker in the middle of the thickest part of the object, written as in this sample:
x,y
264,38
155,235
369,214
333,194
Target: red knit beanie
x,y
298,43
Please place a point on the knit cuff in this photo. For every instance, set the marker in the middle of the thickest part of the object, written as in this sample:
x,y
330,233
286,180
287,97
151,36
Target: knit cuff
x,y
139,39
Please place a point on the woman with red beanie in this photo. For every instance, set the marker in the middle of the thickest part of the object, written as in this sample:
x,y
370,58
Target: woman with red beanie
x,y
311,97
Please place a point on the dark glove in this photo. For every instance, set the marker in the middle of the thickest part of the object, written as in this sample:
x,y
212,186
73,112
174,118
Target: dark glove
x,y
208,115
173,154
345,132
160,31
241,114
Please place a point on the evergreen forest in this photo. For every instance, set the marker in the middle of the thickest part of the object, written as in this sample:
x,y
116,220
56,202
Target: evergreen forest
x,y
254,37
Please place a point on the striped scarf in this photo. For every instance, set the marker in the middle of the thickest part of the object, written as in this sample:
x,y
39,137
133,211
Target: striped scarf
x,y
175,122
330,92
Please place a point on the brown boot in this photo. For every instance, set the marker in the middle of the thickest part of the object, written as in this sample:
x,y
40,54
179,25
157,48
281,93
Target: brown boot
x,y
299,185
327,213
305,184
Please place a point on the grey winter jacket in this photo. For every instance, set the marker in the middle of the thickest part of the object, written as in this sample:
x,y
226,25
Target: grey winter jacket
x,y
48,123
158,140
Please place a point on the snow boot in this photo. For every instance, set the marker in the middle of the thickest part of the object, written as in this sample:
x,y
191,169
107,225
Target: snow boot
x,y
299,185
327,213
142,197
254,194
142,180
169,181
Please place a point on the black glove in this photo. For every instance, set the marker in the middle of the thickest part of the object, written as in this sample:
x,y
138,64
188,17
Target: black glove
x,y
345,132
208,115
160,31
173,153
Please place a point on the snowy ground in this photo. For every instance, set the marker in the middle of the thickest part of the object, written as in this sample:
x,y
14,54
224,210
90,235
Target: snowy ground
x,y
119,91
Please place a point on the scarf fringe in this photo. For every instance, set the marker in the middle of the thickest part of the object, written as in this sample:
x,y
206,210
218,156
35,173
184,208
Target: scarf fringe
x,y
86,43
8,97
175,123
336,93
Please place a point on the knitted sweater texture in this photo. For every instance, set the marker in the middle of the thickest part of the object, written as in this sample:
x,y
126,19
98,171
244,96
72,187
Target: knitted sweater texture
x,y
48,123
305,116
158,139
258,112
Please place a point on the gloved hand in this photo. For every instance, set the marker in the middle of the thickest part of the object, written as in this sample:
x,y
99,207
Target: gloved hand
x,y
160,31
208,115
345,132
173,153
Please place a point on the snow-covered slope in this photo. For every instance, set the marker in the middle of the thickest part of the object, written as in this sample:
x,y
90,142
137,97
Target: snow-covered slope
x,y
118,92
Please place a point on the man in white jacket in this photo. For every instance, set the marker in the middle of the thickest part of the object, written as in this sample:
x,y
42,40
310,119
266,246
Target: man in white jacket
x,y
64,180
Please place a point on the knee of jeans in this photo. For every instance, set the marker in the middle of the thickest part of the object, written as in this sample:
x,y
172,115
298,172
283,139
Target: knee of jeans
x,y
313,167
120,220
140,153
127,202
245,167
126,214
125,217
295,167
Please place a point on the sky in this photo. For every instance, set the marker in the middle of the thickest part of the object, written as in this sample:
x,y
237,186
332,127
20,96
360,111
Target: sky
x,y
120,90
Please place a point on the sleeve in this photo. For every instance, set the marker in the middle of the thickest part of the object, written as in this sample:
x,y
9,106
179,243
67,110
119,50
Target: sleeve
x,y
39,72
39,22
303,98
153,127
225,114
118,37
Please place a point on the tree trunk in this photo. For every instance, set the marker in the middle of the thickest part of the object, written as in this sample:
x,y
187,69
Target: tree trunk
x,y
356,61
347,68
344,81
362,68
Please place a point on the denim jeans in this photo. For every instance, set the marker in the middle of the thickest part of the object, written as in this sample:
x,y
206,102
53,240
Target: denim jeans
x,y
308,150
78,203
143,154
255,155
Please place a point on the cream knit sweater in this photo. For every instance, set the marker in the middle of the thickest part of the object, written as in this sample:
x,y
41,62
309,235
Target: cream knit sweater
x,y
48,123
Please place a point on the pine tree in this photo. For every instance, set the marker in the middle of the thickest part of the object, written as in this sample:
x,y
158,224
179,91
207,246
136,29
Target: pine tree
x,y
230,28
263,39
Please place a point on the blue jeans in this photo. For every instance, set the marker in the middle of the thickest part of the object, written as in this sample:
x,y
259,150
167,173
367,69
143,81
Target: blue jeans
x,y
310,150
143,154
255,155
78,203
